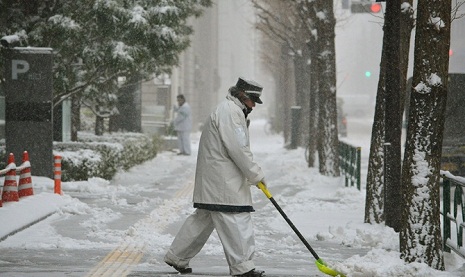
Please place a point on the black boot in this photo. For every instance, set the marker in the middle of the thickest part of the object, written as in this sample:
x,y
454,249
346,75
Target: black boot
x,y
182,270
253,273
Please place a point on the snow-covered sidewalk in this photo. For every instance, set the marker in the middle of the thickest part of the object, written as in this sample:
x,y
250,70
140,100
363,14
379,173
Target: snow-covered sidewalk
x,y
328,214
16,216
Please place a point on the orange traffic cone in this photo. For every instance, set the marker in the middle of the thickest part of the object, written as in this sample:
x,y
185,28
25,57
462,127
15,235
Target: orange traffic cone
x,y
25,180
10,187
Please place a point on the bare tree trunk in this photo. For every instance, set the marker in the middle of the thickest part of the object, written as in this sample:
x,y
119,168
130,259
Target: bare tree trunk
x,y
300,97
75,117
317,22
306,12
99,125
278,119
313,106
302,85
374,205
420,235
287,95
374,202
393,117
328,151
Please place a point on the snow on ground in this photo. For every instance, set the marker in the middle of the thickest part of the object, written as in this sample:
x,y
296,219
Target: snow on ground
x,y
321,208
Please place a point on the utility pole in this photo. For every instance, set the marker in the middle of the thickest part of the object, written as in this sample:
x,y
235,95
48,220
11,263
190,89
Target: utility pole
x,y
393,118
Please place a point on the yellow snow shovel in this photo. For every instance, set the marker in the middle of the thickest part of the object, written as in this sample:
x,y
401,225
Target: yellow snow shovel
x,y
319,262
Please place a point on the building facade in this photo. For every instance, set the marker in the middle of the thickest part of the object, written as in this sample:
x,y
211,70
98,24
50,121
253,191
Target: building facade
x,y
222,49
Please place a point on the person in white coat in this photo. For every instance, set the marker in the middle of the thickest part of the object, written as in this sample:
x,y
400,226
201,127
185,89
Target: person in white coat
x,y
222,195
183,125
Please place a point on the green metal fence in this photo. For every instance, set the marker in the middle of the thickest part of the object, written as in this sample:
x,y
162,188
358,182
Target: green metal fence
x,y
453,238
350,164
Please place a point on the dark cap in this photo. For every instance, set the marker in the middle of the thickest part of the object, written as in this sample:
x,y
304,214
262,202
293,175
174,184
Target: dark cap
x,y
251,88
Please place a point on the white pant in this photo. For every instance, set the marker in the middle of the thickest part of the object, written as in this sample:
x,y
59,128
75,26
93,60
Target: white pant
x,y
235,231
184,142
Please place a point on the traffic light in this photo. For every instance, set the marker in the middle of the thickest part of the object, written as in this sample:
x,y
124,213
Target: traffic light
x,y
375,8
365,7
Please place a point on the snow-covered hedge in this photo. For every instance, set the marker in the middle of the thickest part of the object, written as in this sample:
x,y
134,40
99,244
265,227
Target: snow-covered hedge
x,y
103,156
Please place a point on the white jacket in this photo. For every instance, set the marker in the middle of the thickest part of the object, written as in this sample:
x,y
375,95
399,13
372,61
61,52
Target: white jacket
x,y
225,166
183,120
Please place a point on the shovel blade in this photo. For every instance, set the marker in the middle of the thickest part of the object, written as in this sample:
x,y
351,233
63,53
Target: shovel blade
x,y
325,269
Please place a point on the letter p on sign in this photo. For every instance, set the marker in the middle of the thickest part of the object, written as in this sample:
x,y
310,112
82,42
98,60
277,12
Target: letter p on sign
x,y
18,67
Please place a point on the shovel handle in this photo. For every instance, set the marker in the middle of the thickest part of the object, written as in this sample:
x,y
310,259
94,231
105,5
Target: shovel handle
x,y
304,241
265,190
319,262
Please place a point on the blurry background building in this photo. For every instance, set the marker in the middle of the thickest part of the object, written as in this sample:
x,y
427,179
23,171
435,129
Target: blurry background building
x,y
222,49
226,45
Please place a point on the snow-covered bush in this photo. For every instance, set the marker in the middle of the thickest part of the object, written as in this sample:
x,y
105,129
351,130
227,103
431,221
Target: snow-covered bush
x,y
99,156
103,156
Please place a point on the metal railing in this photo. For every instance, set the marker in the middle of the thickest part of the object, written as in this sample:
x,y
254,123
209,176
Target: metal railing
x,y
350,163
453,240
